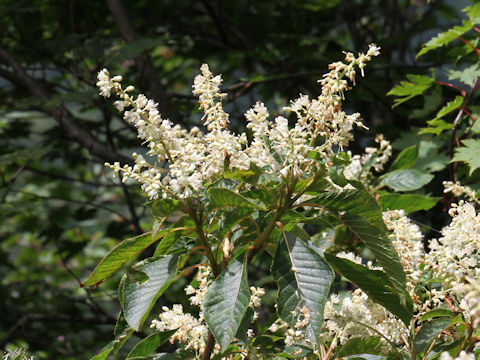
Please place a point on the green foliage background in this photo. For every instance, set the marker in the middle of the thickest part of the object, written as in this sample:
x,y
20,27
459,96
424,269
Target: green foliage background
x,y
60,209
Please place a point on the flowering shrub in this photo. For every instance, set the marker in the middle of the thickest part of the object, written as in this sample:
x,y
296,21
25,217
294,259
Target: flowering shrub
x,y
221,200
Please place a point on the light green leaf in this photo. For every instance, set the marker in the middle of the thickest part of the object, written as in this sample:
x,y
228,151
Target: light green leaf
x,y
405,179
304,279
452,105
376,285
473,13
407,202
120,254
469,153
429,332
223,197
436,126
406,159
467,76
150,343
226,302
445,37
406,90
137,299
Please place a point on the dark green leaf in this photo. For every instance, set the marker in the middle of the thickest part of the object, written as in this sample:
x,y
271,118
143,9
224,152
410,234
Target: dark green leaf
x,y
376,285
226,302
150,343
361,345
164,207
406,159
136,298
405,179
223,197
120,254
408,202
242,334
438,313
354,201
429,332
304,279
360,212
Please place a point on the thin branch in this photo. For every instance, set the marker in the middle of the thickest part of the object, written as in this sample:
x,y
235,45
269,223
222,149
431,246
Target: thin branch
x,y
148,73
20,78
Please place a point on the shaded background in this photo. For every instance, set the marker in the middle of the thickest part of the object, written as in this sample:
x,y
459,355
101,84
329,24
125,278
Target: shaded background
x,y
60,208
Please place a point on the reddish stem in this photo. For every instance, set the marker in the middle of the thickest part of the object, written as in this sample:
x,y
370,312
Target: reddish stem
x,y
462,92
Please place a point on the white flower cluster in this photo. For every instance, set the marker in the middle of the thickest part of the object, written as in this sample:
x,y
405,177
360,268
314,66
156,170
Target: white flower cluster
x,y
360,166
16,354
195,158
190,330
193,331
456,255
460,190
462,356
408,242
297,334
358,316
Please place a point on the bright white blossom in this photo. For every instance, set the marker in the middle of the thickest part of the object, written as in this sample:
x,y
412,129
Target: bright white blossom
x,y
182,162
462,356
376,158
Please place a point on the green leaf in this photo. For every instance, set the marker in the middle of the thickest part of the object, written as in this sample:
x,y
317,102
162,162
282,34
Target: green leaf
x,y
469,153
408,202
223,197
361,345
438,313
406,159
445,37
473,13
405,179
150,343
242,332
164,207
429,332
103,354
406,90
360,212
226,302
452,105
380,244
250,175
304,279
120,254
436,126
376,285
467,76
354,201
137,299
